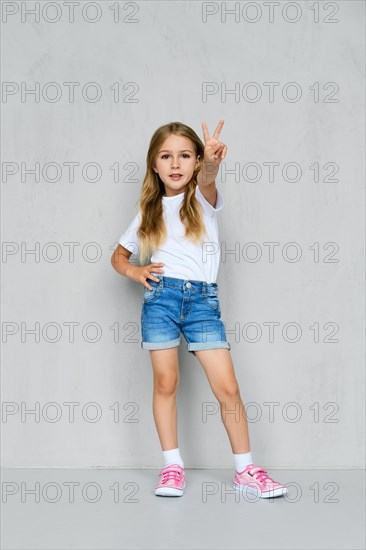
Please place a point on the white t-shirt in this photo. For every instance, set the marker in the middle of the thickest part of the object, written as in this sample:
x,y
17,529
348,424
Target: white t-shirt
x,y
183,259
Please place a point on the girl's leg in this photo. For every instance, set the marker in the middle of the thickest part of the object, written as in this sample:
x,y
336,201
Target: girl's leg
x,y
219,370
166,382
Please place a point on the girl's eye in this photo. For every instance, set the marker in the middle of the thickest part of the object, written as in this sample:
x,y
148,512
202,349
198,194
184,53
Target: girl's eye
x,y
185,155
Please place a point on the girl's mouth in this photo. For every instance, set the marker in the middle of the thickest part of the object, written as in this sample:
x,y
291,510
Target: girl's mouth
x,y
175,177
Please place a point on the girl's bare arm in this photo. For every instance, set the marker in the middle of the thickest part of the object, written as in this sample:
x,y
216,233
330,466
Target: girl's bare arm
x,y
120,261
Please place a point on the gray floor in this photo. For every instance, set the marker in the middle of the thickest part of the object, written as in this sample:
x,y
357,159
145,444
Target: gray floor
x,y
118,509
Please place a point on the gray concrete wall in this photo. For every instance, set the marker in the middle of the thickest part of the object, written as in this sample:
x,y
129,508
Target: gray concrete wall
x,y
292,294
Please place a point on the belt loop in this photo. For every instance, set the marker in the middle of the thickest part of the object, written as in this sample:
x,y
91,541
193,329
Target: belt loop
x,y
204,288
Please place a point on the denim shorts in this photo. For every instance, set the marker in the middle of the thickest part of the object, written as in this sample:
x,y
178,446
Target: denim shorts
x,y
181,305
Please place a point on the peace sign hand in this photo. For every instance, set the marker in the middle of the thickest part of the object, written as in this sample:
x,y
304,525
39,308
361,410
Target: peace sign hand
x,y
215,150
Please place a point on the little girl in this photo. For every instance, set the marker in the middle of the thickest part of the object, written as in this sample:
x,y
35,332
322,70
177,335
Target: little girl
x,y
176,232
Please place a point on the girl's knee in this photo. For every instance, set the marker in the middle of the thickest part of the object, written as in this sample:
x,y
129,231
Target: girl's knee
x,y
229,391
166,385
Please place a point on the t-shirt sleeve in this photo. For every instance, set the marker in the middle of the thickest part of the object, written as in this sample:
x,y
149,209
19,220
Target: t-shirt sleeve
x,y
208,208
129,238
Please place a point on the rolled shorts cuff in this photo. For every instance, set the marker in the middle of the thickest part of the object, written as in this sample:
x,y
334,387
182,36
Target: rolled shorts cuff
x,y
161,345
197,346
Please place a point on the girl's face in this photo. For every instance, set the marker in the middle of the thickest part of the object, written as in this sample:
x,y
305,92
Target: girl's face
x,y
176,157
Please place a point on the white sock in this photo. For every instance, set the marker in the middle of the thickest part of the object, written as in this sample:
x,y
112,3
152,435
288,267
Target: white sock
x,y
172,457
242,461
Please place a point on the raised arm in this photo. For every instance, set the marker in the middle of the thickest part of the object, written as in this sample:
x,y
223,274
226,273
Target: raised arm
x,y
214,153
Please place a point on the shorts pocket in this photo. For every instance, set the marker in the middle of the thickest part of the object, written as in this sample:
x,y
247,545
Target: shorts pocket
x,y
212,297
152,295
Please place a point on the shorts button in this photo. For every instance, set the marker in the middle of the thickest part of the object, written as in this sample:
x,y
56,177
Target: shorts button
x,y
188,285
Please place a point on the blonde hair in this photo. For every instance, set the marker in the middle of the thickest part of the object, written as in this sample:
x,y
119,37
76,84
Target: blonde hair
x,y
152,230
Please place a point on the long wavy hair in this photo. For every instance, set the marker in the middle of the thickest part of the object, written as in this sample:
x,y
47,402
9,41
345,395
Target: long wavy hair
x,y
152,231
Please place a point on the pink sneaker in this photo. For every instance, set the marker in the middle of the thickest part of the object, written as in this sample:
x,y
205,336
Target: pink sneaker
x,y
255,480
172,481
